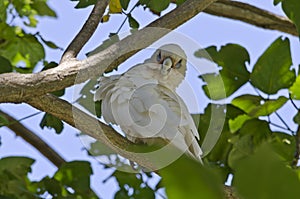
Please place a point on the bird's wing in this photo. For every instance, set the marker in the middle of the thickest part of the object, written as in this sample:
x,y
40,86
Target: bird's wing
x,y
159,112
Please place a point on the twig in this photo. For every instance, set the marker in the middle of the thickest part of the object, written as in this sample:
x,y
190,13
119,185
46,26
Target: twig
x,y
86,31
119,29
252,15
30,137
278,126
283,122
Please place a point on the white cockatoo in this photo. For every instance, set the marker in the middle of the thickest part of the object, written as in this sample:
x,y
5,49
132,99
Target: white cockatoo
x,y
143,101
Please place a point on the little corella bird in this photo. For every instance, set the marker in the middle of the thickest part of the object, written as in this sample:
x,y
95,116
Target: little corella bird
x,y
143,101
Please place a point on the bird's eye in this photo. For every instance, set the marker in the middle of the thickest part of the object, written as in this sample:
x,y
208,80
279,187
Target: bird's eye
x,y
178,64
158,58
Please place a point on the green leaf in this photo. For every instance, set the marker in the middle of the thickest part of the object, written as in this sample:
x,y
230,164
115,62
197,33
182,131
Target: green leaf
x,y
98,149
155,6
251,135
233,74
124,4
50,122
158,5
207,123
295,89
76,175
115,6
132,22
284,145
3,7
272,70
291,9
256,106
50,44
18,166
84,3
3,121
297,118
5,65
236,123
25,49
13,177
264,175
43,9
87,98
199,181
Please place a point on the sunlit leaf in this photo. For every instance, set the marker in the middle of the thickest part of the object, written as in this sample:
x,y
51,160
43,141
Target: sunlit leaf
x,y
105,18
25,49
236,123
272,70
256,106
232,58
199,181
295,89
50,122
115,6
264,175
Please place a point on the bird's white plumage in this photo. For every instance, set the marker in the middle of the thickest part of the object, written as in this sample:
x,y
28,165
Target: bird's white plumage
x,y
143,101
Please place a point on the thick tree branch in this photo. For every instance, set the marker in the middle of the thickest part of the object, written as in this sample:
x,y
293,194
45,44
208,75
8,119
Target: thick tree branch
x,y
90,126
86,31
17,87
20,87
252,15
34,140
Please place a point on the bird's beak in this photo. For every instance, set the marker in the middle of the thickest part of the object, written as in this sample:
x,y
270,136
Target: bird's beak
x,y
166,66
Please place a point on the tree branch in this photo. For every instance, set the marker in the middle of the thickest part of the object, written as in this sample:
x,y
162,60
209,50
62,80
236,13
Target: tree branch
x,y
34,140
252,15
21,87
90,126
86,31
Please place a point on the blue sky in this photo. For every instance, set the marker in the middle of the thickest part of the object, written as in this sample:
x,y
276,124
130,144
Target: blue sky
x,y
205,30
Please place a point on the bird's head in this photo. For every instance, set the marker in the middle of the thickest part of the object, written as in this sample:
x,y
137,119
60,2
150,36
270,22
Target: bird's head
x,y
170,61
